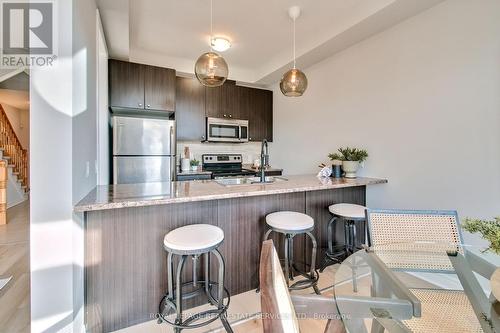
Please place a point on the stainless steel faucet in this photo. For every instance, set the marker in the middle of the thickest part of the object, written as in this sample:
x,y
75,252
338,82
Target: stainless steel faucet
x,y
264,160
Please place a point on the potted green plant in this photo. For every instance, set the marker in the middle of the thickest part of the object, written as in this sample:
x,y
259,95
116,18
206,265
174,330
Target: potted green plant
x,y
489,230
351,158
194,164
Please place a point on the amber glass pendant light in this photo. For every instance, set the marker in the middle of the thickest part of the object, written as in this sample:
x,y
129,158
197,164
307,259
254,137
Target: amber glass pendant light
x,y
294,82
211,68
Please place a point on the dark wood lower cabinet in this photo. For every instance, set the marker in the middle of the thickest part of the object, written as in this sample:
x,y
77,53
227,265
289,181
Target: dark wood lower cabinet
x,y
125,263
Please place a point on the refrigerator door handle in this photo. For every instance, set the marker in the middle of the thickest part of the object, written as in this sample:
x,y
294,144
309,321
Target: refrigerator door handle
x,y
173,169
172,140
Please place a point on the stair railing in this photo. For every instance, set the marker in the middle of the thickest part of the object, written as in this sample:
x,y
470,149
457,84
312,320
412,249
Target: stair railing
x,y
12,148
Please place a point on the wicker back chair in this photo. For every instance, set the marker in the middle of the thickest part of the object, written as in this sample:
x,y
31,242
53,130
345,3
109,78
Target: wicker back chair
x,y
424,236
416,240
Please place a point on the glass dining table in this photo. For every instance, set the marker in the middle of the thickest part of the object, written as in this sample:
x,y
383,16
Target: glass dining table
x,y
418,287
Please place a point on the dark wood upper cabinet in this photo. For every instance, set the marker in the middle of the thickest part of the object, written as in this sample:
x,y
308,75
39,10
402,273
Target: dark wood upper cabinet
x,y
243,102
159,88
141,87
260,115
224,101
194,102
126,84
213,102
190,109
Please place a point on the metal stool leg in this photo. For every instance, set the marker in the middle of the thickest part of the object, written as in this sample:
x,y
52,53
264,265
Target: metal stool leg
x,y
351,237
287,270
330,234
220,295
170,273
207,279
178,293
290,253
353,241
346,237
329,256
354,237
313,261
195,270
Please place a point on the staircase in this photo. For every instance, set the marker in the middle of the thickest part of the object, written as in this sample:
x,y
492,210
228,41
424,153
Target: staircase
x,y
16,157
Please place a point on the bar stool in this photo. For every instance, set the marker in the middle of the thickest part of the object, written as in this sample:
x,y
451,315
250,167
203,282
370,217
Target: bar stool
x,y
292,224
351,214
194,241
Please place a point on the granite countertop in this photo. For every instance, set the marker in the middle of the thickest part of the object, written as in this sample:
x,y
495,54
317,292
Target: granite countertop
x,y
136,195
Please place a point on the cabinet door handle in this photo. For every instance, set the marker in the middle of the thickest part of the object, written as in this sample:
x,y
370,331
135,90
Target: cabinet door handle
x,y
140,104
230,116
149,106
249,139
225,115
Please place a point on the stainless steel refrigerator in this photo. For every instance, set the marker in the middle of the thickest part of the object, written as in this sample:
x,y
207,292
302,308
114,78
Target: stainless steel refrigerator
x,y
143,150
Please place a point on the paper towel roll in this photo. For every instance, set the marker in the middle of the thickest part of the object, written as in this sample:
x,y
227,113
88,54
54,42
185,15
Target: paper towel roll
x,y
185,164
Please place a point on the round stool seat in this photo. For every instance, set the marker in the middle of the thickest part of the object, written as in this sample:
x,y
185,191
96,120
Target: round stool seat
x,y
349,211
289,221
194,238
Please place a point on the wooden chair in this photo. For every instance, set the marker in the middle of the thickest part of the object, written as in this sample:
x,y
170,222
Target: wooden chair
x,y
279,307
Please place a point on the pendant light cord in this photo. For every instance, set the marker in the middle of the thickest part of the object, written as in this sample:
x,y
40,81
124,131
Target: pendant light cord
x,y
294,43
211,25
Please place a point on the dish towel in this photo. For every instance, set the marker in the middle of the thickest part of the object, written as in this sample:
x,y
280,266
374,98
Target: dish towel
x,y
325,172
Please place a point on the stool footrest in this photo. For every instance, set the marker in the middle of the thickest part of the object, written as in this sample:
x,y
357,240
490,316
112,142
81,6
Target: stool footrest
x,y
167,304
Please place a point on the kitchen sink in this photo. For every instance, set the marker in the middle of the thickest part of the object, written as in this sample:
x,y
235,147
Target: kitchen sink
x,y
247,181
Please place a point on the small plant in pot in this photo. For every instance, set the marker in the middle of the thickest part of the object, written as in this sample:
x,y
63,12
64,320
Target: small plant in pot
x,y
489,230
351,158
194,164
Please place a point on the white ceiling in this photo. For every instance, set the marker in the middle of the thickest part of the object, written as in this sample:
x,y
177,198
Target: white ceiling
x,y
173,33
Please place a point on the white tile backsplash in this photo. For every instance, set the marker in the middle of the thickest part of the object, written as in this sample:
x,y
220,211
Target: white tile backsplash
x,y
250,151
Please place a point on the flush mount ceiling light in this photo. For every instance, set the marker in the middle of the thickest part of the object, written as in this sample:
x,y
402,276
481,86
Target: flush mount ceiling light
x,y
220,44
294,82
210,68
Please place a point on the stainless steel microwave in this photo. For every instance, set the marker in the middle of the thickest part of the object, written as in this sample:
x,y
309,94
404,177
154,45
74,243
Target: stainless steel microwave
x,y
227,130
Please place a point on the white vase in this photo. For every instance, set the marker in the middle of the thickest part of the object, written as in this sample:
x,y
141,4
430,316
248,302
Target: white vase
x,y
350,168
194,168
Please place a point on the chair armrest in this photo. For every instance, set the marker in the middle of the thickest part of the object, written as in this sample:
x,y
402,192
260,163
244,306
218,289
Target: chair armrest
x,y
480,265
321,307
396,286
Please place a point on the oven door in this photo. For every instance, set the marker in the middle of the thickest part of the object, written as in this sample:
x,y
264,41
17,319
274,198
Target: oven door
x,y
221,130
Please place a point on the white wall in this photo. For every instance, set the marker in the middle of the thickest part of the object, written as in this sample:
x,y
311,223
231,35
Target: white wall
x,y
63,140
85,57
51,228
423,97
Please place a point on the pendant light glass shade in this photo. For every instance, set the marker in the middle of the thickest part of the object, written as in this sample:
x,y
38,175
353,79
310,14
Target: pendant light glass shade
x,y
293,83
211,69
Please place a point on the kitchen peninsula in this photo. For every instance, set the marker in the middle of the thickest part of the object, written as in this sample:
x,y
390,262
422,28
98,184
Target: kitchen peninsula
x,y
125,264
